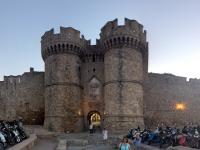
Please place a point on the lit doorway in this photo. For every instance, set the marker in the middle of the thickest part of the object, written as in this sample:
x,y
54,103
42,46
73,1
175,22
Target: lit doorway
x,y
94,118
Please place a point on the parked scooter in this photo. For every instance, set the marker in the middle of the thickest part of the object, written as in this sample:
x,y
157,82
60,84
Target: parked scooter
x,y
7,134
19,127
3,143
16,134
154,137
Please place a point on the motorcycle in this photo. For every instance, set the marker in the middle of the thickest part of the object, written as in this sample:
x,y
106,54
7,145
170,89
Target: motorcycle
x,y
15,134
194,140
7,133
144,135
153,138
165,138
3,143
19,127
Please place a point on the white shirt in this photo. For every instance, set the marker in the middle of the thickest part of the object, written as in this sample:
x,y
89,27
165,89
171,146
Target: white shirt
x,y
105,134
91,126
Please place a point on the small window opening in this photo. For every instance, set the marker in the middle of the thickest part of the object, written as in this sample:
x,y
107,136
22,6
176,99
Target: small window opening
x,y
93,58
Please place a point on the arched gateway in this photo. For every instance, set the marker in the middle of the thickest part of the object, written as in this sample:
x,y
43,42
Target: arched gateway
x,y
94,118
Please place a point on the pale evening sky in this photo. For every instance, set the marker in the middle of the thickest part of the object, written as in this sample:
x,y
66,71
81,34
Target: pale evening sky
x,y
173,30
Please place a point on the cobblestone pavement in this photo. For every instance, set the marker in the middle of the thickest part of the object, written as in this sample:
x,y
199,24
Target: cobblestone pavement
x,y
76,141
88,141
45,144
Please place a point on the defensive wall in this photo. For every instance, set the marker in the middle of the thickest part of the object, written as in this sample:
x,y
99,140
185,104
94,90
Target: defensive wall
x,y
22,96
163,92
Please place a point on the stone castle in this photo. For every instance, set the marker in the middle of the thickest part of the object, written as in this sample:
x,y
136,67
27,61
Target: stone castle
x,y
106,84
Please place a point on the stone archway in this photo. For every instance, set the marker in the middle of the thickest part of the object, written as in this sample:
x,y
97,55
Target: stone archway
x,y
94,117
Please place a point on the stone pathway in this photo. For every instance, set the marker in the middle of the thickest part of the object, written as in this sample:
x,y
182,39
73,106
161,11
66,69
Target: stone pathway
x,y
76,141
86,141
102,147
45,144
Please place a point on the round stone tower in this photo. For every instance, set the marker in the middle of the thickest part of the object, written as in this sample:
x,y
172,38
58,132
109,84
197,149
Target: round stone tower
x,y
61,54
125,66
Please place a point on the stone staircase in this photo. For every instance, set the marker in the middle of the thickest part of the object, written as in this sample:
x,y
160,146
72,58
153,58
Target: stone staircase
x,y
87,142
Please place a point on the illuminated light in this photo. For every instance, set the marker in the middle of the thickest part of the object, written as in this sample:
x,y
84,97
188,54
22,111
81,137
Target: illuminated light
x,y
95,119
180,106
79,112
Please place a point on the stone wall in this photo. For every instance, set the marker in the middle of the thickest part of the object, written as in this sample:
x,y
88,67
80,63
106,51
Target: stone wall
x,y
123,99
2,100
124,74
163,92
23,96
92,79
63,92
62,56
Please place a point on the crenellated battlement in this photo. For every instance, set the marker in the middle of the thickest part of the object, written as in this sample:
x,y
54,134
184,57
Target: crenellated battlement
x,y
68,40
131,34
17,79
171,79
94,53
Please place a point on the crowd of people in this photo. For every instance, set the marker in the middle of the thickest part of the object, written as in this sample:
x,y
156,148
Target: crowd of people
x,y
162,136
125,143
165,136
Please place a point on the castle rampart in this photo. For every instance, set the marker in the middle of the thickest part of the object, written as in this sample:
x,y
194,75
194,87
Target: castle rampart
x,y
67,41
129,35
163,92
62,55
123,73
23,96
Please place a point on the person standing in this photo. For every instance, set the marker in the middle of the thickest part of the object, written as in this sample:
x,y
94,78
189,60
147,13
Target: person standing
x,y
105,134
137,141
124,145
91,128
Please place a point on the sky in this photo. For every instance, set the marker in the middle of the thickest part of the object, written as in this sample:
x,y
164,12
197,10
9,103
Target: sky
x,y
173,30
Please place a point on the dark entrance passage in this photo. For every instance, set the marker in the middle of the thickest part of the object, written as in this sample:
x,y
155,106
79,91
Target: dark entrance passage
x,y
94,118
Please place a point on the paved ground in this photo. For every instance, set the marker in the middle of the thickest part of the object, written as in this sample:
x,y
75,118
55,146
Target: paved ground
x,y
45,144
79,141
88,141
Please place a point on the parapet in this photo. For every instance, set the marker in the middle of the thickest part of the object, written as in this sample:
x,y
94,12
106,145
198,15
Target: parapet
x,y
67,41
131,34
94,53
167,78
14,79
194,81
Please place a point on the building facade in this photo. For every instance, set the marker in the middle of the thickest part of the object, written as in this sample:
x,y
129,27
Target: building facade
x,y
106,84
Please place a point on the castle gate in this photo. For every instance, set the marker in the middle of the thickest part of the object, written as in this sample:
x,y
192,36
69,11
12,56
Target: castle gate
x,y
94,118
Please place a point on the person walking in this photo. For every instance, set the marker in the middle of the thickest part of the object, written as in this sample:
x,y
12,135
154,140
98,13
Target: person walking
x,y
137,141
105,134
124,144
